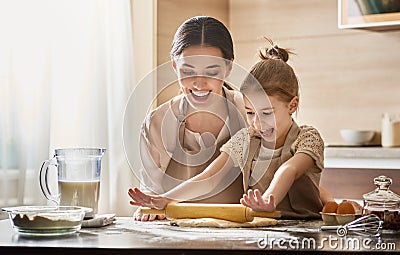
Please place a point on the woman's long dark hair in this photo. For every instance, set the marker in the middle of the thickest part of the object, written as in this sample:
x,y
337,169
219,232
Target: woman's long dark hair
x,y
203,30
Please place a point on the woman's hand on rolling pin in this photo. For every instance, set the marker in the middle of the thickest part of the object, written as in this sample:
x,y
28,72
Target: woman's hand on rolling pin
x,y
141,199
256,202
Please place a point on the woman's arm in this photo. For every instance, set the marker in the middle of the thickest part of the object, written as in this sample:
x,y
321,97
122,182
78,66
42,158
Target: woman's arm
x,y
159,135
194,187
155,151
283,179
204,182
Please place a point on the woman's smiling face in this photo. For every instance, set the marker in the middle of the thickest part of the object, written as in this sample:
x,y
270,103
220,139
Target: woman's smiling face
x,y
201,72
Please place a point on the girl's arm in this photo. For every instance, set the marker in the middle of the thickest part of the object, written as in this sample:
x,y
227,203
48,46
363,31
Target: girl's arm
x,y
283,179
325,195
194,187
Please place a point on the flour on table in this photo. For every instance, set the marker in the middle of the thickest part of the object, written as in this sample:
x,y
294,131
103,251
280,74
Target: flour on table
x,y
217,223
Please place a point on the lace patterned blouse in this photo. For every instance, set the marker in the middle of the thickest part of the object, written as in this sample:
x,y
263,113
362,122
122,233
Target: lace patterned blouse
x,y
308,141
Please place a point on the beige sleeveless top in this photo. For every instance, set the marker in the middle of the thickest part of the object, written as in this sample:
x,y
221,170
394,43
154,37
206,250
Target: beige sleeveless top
x,y
303,199
171,153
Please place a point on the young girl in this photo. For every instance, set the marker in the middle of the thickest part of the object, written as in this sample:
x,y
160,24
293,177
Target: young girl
x,y
281,162
181,137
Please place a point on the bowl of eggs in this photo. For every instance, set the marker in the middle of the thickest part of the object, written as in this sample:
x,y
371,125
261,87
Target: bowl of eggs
x,y
340,214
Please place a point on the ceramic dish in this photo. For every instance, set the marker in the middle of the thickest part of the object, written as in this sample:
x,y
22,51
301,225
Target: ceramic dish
x,y
332,219
46,220
357,137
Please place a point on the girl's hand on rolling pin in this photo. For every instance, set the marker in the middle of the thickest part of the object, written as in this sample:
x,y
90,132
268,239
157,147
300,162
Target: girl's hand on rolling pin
x,y
141,199
256,202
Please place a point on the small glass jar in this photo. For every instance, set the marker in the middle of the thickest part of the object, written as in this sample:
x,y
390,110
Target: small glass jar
x,y
384,203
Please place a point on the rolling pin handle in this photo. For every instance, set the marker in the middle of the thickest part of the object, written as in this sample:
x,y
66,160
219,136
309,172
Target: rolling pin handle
x,y
248,216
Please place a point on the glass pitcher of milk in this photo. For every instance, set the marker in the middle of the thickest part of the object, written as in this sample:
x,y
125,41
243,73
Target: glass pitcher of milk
x,y
78,177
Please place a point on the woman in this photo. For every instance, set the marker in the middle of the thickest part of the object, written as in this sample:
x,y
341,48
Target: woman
x,y
182,136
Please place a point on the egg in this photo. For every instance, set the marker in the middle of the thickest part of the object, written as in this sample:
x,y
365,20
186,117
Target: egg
x,y
330,207
358,208
345,207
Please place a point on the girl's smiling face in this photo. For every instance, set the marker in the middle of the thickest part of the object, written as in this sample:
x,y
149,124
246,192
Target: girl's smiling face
x,y
201,72
271,119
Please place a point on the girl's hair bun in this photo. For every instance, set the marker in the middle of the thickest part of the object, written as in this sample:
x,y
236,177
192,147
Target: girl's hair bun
x,y
274,52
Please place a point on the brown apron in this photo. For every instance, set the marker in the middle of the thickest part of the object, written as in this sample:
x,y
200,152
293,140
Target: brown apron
x,y
189,159
303,198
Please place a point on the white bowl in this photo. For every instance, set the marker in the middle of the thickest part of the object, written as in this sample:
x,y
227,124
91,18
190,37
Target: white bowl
x,y
357,137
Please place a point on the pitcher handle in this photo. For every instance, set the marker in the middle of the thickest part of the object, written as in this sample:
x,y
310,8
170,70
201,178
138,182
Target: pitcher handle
x,y
44,184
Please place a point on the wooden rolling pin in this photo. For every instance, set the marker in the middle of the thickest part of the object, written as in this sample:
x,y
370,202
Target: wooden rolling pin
x,y
231,212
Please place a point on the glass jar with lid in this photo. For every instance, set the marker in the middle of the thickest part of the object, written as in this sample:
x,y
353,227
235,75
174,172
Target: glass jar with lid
x,y
384,203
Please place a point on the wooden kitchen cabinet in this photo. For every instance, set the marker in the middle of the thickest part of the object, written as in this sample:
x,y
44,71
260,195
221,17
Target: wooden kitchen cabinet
x,y
368,14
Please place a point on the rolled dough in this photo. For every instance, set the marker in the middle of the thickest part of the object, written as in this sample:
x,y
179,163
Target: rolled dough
x,y
217,223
